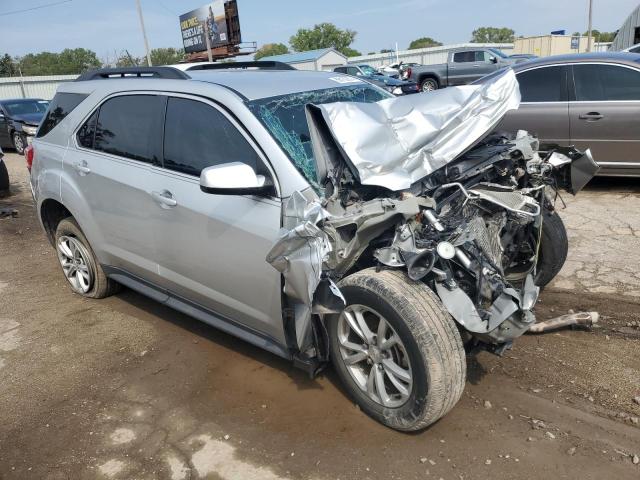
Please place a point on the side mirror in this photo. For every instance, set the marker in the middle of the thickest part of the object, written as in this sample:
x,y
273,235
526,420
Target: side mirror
x,y
493,59
1,115
233,178
359,73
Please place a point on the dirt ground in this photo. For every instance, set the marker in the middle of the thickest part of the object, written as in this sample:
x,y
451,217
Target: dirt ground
x,y
125,388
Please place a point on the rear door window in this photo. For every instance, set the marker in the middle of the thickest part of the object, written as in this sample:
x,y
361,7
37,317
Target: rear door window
x,y
130,126
197,136
464,57
545,84
61,105
597,82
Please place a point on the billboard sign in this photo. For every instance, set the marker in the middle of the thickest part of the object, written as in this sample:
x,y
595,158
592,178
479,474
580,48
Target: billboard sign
x,y
575,43
192,26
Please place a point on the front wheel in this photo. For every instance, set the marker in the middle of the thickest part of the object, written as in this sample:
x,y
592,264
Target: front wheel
x,y
554,247
19,142
397,350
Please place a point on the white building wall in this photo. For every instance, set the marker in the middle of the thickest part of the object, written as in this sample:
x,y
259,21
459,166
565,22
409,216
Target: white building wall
x,y
32,87
424,56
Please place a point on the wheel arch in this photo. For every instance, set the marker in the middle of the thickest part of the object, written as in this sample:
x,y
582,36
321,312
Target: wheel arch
x,y
430,75
51,213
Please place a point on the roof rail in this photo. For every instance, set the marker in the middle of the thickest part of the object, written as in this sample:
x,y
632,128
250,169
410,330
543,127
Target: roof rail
x,y
133,72
260,65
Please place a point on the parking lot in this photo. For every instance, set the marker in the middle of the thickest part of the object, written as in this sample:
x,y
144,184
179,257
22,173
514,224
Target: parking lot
x,y
127,388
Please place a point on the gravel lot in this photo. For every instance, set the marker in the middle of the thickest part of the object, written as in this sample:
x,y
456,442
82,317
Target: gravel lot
x,y
125,388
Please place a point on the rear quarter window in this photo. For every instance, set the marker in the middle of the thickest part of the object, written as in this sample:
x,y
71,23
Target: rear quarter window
x,y
61,106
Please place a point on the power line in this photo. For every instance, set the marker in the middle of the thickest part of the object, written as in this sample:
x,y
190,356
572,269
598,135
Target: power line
x,y
34,8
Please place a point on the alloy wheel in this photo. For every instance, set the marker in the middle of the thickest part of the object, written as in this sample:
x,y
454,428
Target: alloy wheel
x,y
73,258
18,143
375,356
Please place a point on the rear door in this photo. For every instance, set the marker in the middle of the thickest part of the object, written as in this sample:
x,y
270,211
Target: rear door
x,y
544,107
211,249
112,171
605,115
462,67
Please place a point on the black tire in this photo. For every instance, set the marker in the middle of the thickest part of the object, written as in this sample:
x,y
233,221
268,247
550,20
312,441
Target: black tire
x,y
4,178
554,247
101,285
429,85
431,339
19,142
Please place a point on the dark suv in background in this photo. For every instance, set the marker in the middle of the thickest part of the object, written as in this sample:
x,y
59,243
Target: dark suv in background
x,y
19,120
371,75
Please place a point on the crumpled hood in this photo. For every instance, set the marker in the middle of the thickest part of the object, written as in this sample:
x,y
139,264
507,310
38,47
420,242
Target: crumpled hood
x,y
396,142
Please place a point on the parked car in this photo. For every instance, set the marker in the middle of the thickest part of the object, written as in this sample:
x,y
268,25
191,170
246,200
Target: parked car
x,y
235,197
632,49
4,176
370,74
463,66
19,120
590,100
525,56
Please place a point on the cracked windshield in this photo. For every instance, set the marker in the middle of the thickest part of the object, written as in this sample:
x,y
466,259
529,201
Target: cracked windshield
x,y
284,117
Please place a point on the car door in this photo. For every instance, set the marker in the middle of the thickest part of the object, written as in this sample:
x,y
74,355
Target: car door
x,y
544,106
111,176
211,249
605,115
5,138
461,67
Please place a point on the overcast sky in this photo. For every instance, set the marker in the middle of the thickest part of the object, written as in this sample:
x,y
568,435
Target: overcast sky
x,y
107,26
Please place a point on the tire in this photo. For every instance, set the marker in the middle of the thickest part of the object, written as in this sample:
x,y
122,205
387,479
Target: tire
x,y
554,247
19,142
430,340
429,85
95,284
4,178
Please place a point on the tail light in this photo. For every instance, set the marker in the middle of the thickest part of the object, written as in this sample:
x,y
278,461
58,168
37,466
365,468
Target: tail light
x,y
408,73
28,155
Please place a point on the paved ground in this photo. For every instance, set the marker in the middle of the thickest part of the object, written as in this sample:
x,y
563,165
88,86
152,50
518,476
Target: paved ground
x,y
125,388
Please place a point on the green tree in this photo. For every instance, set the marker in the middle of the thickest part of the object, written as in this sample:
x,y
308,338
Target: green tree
x,y
269,49
424,42
492,35
126,60
601,36
166,56
350,52
67,62
323,35
7,66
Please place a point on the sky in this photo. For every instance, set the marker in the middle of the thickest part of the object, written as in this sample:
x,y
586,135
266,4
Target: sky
x,y
110,26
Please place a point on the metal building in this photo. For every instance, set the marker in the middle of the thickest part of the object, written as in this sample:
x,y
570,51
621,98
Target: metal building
x,y
323,59
629,33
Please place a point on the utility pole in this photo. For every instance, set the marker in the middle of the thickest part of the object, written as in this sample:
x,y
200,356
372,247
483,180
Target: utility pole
x,y
590,25
144,33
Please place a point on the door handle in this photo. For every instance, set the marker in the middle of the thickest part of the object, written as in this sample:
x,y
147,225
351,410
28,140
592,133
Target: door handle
x,y
164,198
591,116
82,168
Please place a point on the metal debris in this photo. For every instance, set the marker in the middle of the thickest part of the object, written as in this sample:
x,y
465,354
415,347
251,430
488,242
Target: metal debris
x,y
580,319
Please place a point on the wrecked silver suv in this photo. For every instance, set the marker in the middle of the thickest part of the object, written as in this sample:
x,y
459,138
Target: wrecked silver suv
x,y
313,215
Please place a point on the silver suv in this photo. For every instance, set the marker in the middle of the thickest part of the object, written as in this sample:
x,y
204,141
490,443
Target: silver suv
x,y
232,197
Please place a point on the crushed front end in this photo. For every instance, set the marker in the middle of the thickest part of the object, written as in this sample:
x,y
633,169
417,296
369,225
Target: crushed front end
x,y
415,183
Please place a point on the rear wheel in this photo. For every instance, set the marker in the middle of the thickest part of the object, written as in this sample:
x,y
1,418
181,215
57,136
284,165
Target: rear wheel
x,y
79,263
397,351
429,85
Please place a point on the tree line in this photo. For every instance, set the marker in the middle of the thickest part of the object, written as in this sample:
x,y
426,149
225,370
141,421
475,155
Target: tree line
x,y
78,60
323,35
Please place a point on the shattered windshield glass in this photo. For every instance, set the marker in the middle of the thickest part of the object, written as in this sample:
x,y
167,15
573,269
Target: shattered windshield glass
x,y
284,117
